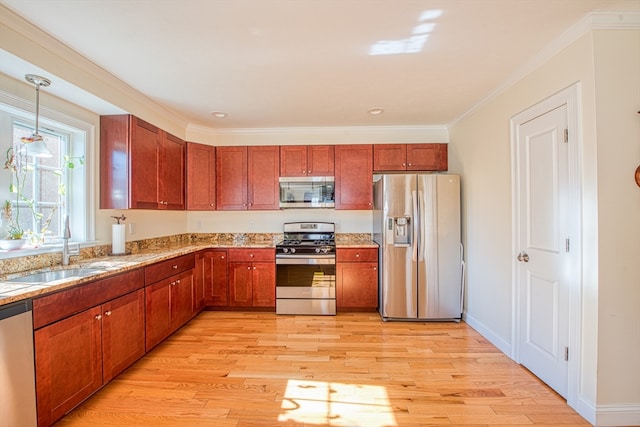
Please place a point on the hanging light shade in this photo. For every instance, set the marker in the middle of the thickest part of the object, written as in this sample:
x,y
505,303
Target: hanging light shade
x,y
34,144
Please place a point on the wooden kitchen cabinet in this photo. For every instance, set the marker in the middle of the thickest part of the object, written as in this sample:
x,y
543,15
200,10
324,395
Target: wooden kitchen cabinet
x,y
354,176
201,177
357,278
307,160
252,278
211,268
169,297
83,338
247,178
141,166
410,157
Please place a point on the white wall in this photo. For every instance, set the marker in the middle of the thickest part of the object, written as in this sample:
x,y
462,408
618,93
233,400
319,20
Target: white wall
x,y
617,78
605,63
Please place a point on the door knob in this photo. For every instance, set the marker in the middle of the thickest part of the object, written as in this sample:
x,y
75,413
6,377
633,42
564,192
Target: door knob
x,y
523,256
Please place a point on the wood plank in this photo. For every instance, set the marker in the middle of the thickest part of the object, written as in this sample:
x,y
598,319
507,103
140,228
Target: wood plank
x,y
256,369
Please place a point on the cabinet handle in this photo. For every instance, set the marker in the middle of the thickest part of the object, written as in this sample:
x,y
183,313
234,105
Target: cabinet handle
x,y
98,316
107,313
175,267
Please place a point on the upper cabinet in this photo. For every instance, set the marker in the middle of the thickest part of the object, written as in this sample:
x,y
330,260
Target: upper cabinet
x,y
354,176
247,178
307,160
201,177
410,157
141,166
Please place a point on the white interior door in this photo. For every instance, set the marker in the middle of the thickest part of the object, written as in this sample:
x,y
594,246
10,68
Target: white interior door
x,y
543,232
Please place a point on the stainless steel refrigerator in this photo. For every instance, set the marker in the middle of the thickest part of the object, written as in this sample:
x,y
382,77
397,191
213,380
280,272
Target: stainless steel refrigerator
x,y
416,222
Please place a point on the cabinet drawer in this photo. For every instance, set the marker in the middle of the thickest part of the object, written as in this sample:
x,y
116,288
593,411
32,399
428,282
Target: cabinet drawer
x,y
357,255
168,268
251,255
54,307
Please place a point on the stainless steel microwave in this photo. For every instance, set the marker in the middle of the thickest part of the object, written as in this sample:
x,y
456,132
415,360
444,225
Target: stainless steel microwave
x,y
307,192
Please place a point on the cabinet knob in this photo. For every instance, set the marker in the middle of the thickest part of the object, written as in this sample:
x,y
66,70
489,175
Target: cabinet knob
x,y
211,204
357,255
375,268
98,316
410,164
254,268
172,283
107,313
222,257
178,282
251,255
175,267
404,164
248,268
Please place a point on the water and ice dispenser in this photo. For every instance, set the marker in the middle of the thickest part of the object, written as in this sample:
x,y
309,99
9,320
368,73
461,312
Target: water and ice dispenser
x,y
400,227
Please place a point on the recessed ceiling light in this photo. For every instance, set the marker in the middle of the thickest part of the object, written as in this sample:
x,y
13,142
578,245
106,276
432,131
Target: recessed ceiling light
x,y
375,111
219,114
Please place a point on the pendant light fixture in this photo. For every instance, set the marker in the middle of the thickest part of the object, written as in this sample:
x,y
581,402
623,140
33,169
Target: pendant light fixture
x,y
34,145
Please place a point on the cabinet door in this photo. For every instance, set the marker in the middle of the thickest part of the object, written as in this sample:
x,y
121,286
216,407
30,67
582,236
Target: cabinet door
x,y
231,178
68,362
182,304
240,284
354,176
389,157
201,177
264,284
320,160
263,168
145,164
427,157
293,160
122,333
357,285
171,176
158,312
216,288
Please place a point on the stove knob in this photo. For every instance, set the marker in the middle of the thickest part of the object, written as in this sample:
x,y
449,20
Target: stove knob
x,y
317,250
293,250
325,250
285,250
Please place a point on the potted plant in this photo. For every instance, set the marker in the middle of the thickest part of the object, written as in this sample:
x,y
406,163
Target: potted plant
x,y
11,228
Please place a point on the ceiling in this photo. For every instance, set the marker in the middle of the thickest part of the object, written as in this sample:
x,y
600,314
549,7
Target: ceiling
x,y
308,63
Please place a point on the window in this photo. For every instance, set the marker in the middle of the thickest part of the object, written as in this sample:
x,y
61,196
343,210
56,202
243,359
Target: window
x,y
52,187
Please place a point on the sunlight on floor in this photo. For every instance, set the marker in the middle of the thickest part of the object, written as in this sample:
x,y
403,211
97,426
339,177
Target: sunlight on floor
x,y
336,404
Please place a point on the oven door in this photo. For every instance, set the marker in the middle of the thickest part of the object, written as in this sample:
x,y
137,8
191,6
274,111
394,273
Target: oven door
x,y
305,277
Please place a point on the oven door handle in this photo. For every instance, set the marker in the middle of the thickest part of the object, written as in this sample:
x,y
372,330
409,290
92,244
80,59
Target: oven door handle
x,y
315,260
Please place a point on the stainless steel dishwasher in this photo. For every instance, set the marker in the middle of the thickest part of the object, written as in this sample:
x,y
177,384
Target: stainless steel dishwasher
x,y
17,367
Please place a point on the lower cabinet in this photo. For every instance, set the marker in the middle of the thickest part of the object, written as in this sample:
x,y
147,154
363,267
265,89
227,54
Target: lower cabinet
x,y
252,278
357,278
169,305
212,268
75,356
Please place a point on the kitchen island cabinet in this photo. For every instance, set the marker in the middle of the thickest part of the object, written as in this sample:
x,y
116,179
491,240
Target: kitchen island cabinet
x,y
307,160
354,176
142,166
247,178
83,338
410,157
356,279
252,278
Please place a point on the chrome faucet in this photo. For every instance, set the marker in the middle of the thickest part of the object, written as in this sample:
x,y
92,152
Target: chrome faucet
x,y
66,252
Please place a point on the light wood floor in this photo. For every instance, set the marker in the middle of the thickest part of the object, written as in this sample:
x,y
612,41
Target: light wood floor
x,y
259,369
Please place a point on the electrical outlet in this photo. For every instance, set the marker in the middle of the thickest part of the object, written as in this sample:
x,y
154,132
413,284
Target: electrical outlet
x,y
252,225
132,228
198,225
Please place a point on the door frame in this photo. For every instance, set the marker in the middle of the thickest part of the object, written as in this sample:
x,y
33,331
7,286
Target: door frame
x,y
570,97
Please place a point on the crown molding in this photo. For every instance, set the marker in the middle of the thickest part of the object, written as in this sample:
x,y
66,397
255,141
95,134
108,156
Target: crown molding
x,y
591,21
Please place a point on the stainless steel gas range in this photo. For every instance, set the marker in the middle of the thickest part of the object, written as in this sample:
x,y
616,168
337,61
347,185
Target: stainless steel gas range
x,y
306,269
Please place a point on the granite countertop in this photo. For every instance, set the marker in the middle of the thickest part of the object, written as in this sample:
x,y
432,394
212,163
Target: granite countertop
x,y
106,266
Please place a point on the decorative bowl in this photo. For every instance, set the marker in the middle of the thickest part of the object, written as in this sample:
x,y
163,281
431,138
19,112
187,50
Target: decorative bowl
x,y
10,244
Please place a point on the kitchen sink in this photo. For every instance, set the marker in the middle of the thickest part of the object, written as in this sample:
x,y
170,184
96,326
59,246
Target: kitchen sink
x,y
53,275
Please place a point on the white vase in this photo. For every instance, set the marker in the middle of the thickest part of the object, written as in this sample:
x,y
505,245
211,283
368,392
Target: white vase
x,y
10,244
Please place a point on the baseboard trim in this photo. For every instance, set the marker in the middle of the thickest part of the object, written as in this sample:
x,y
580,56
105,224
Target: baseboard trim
x,y
493,338
617,415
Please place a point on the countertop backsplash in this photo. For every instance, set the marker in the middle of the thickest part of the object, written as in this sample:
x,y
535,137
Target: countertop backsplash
x,y
34,262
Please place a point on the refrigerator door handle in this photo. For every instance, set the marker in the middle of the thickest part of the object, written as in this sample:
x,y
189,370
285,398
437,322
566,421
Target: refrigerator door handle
x,y
416,225
422,237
